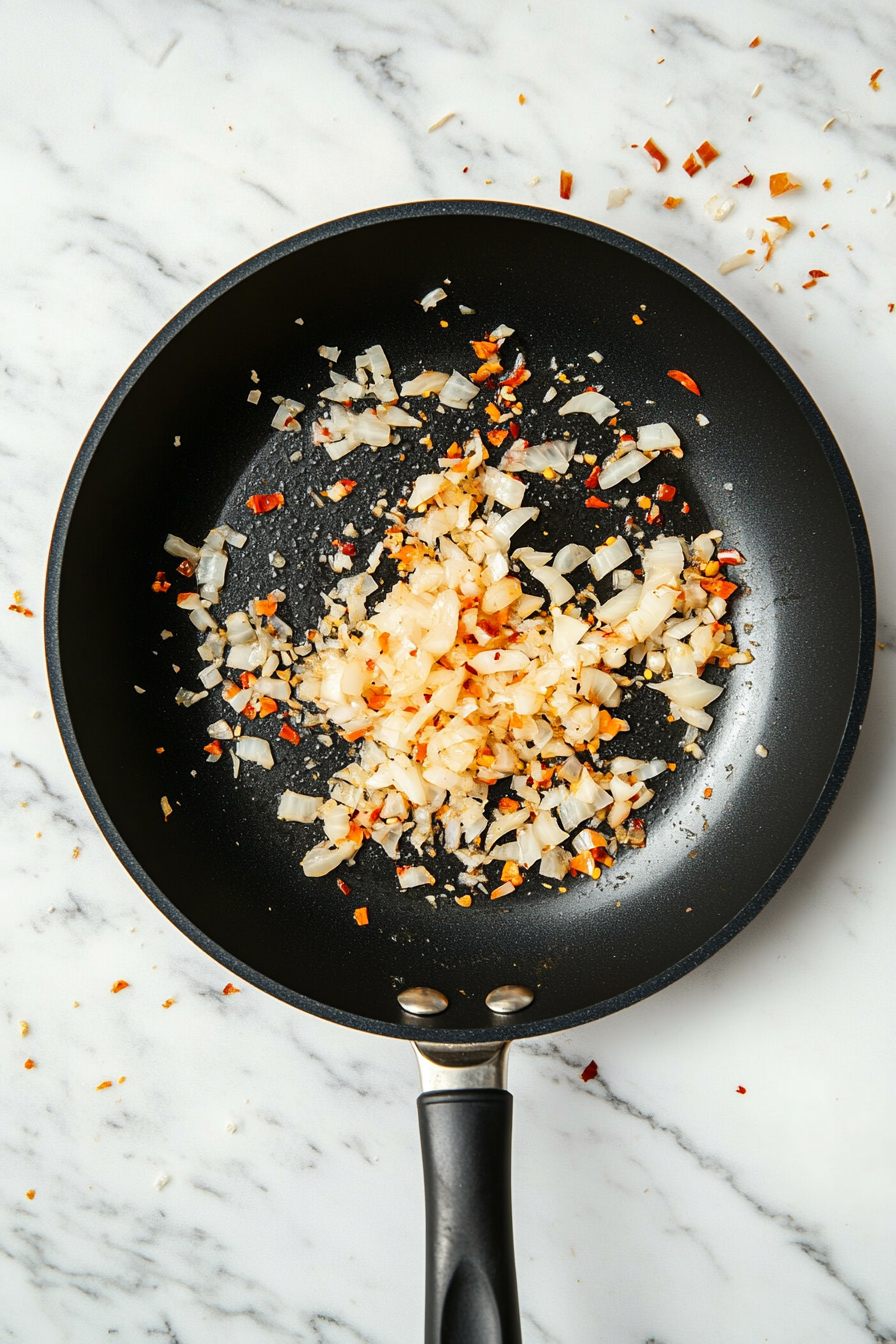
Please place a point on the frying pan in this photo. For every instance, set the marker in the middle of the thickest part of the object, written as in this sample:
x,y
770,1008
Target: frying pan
x,y
178,448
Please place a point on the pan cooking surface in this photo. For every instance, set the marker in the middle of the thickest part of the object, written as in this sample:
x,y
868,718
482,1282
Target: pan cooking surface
x,y
230,873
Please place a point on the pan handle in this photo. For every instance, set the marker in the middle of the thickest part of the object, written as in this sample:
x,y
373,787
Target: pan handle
x,y
465,1133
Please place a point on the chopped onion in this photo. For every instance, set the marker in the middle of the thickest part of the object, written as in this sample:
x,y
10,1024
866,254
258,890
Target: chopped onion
x,y
606,558
569,557
458,392
622,469
560,590
503,528
590,403
255,749
689,692
427,381
415,877
432,298
177,546
298,807
658,437
505,489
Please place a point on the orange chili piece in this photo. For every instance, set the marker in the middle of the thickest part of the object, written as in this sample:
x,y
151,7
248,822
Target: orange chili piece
x,y
719,587
343,886
685,379
659,158
592,502
29,1063
691,166
707,153
265,606
101,1086
230,989
289,734
361,917
778,183
266,705
265,503
119,986
672,202
213,749
565,185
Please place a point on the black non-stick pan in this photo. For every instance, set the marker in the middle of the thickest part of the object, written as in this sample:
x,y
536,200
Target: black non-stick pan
x,y
178,448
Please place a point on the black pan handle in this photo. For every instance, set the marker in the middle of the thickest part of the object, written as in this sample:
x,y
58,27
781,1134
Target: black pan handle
x,y
471,1295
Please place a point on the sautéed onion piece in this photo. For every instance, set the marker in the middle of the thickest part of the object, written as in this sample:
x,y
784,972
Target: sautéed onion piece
x,y
458,679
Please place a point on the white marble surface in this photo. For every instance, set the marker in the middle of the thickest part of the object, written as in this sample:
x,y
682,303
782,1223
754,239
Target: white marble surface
x,y
147,148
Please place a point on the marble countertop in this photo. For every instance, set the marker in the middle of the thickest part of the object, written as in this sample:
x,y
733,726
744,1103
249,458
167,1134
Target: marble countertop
x,y
256,1177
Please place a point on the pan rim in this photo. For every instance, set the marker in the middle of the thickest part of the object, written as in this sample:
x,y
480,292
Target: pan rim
x,y
502,1030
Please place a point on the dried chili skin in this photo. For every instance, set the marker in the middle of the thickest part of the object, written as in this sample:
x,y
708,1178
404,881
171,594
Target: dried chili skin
x,y
589,1072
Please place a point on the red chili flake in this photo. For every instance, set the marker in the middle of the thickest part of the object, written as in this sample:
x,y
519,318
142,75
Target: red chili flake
x,y
120,985
707,153
872,83
659,158
779,183
101,1086
745,181
213,749
347,548
685,508
707,793
26,611
347,485
185,569
249,711
343,886
466,170
589,1072
514,429
819,275
666,492
230,989
691,166
565,185
756,41
654,516
265,503
290,734
592,502
29,1194
247,680
730,557
719,587
168,1003
810,284
265,606
593,479
361,915
161,585
672,202
741,1090
29,1063
685,380
890,307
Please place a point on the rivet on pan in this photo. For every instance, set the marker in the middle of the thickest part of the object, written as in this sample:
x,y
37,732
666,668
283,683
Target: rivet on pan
x,y
423,1002
509,998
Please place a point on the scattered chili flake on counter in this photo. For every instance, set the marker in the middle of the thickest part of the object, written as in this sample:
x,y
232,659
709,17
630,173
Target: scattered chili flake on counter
x,y
827,184
659,158
120,985
361,915
685,379
589,1072
122,1079
872,83
707,793
672,202
707,153
691,166
756,41
741,1090
29,1064
745,181
779,183
168,1003
265,503
100,1087
230,989
565,185
29,1194
814,277
26,611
